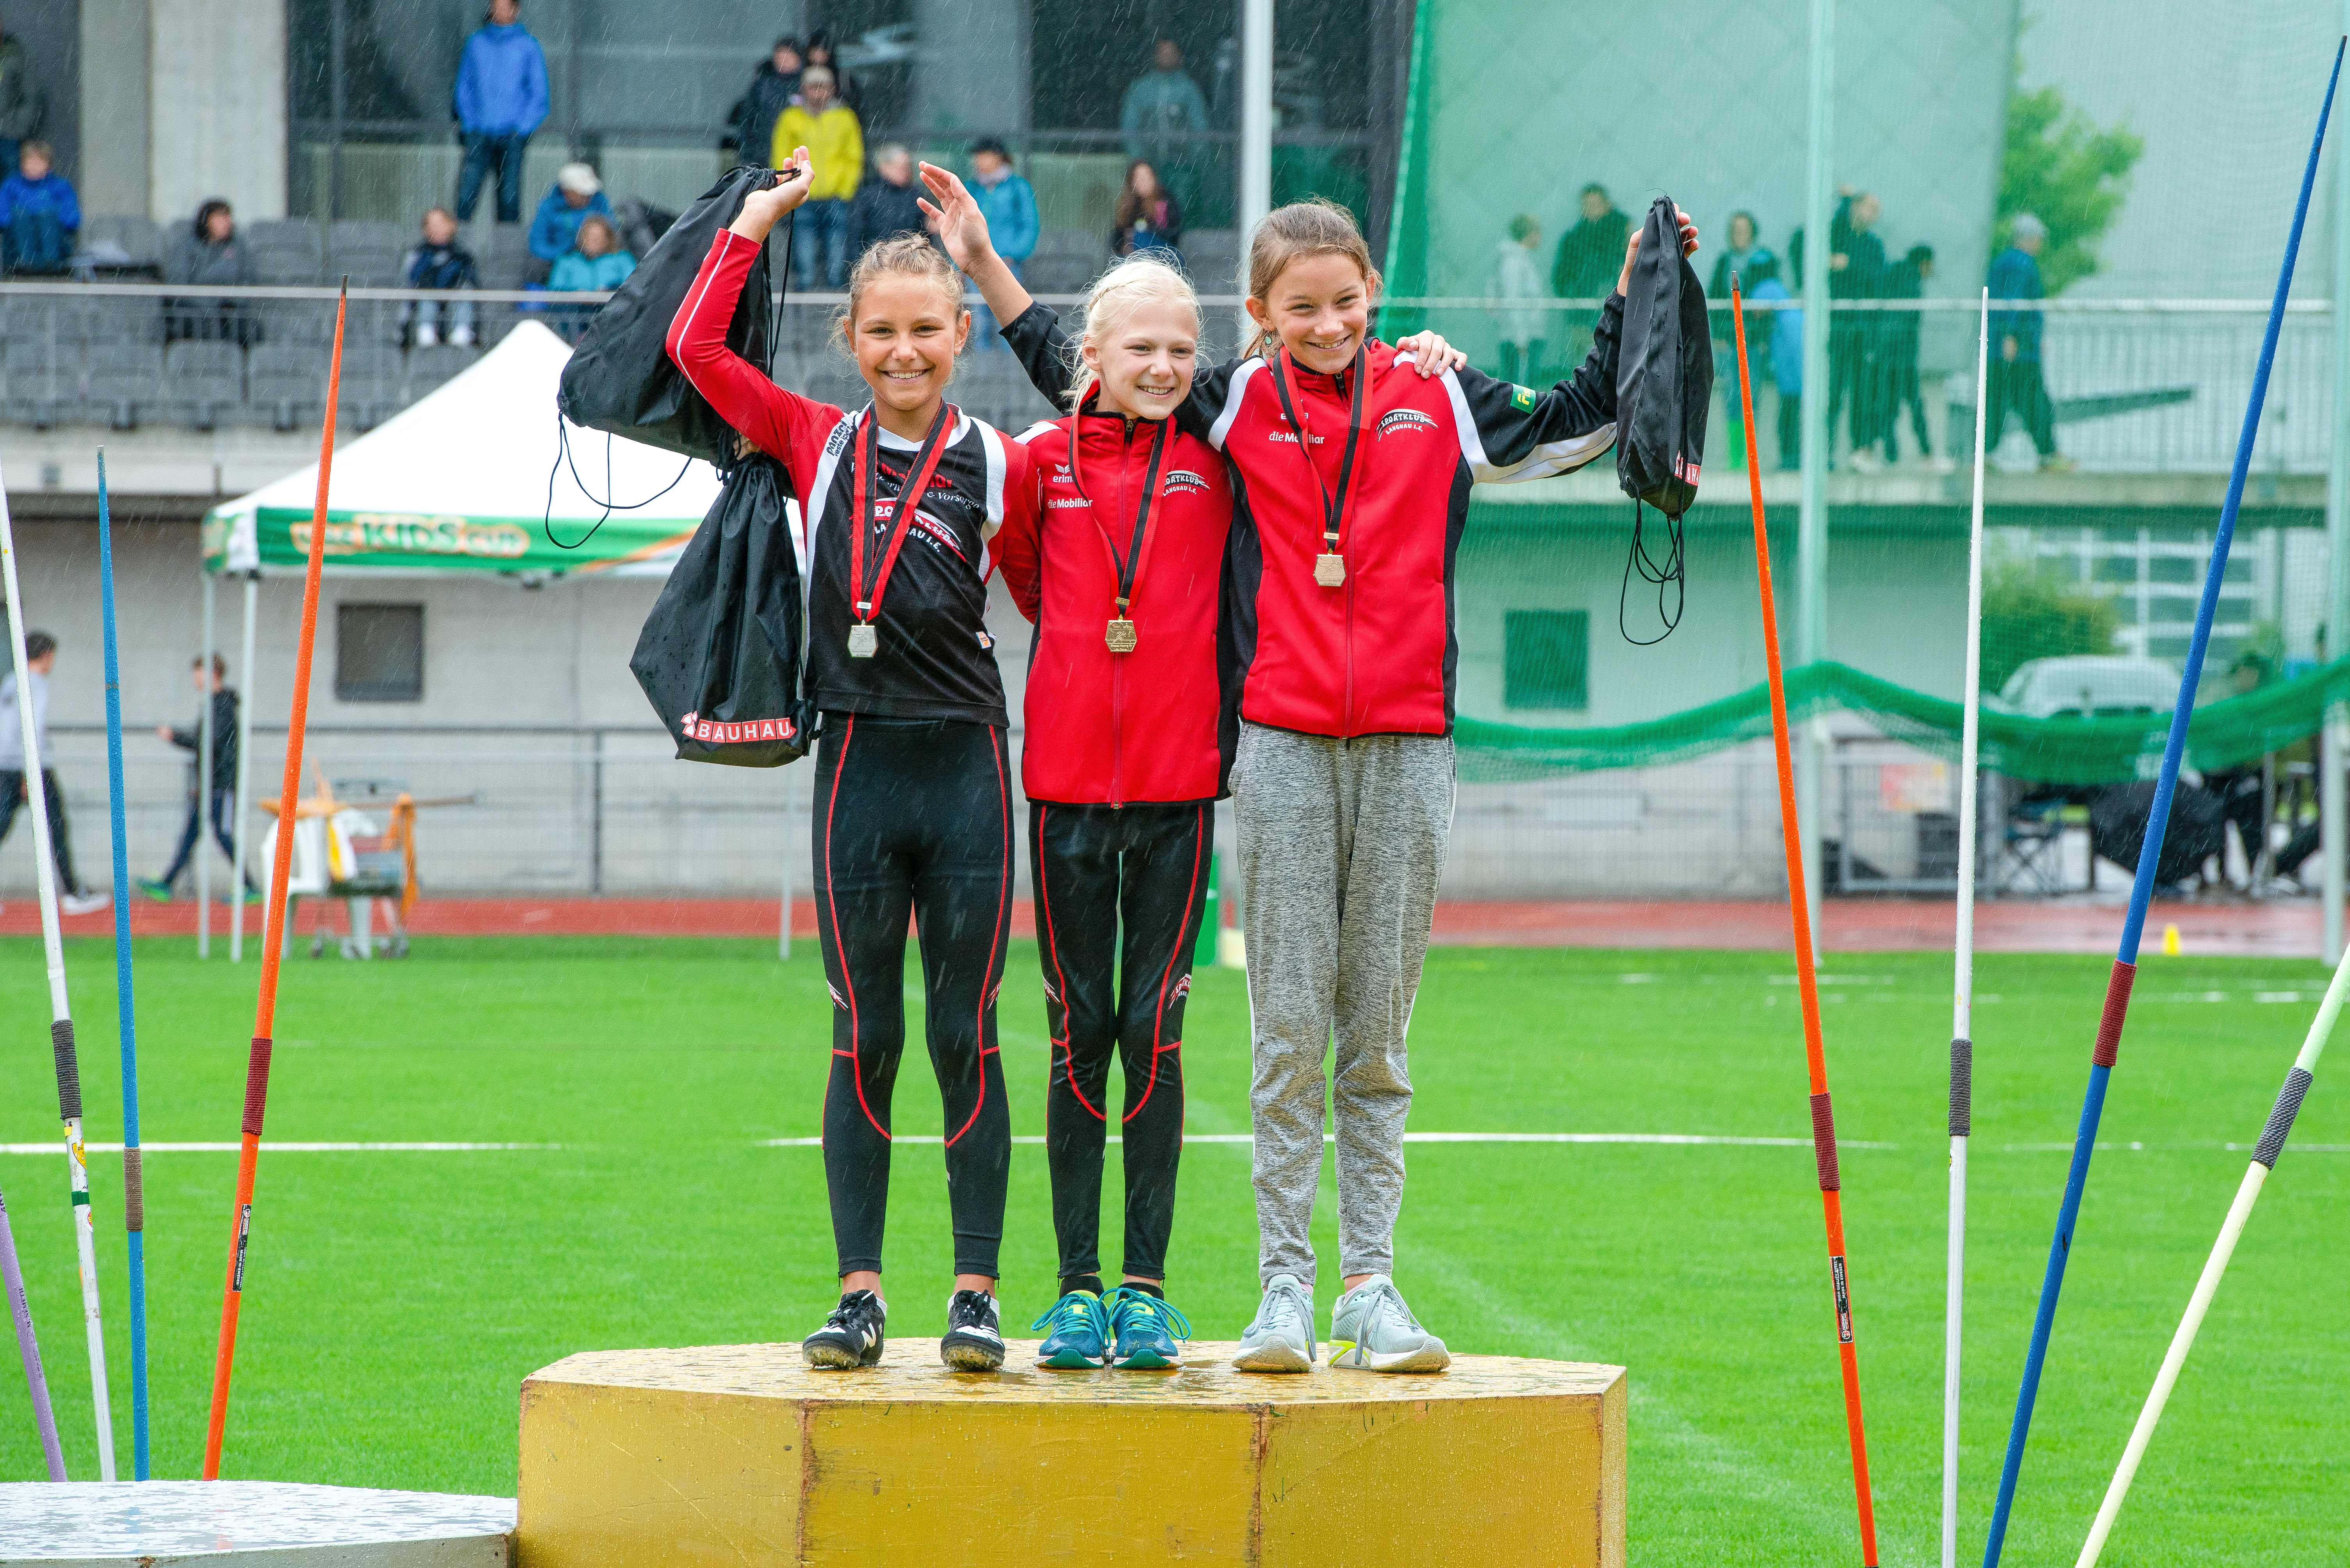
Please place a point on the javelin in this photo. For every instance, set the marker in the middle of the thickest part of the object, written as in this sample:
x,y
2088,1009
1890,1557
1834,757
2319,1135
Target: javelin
x,y
134,1201
1962,1048
2118,987
273,929
1824,1146
61,1036
29,1348
2256,1175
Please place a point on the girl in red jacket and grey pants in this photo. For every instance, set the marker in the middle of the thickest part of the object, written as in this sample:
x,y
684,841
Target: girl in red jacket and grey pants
x,y
1119,559
1354,480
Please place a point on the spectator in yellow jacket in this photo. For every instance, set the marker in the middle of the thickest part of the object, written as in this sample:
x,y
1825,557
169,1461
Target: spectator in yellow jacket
x,y
836,145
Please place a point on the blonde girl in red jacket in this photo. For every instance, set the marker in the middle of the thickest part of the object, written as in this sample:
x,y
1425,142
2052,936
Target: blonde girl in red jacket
x,y
1119,559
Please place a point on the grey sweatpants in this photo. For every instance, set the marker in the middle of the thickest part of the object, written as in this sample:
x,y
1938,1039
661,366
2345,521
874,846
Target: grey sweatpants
x,y
1340,846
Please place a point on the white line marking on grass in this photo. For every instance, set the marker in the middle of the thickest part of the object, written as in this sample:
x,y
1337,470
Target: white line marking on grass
x,y
275,1147
1420,1138
2135,1147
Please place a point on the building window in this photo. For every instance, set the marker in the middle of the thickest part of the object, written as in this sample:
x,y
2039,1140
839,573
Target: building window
x,y
380,653
1545,658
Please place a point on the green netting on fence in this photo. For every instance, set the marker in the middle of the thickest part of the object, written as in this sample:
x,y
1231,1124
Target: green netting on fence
x,y
2103,750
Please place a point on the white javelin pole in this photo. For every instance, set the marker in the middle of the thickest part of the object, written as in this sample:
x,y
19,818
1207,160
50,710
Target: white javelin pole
x,y
2256,1175
61,1042
1962,1050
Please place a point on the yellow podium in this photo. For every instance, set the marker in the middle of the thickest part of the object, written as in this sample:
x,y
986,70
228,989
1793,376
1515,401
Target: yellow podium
x,y
740,1454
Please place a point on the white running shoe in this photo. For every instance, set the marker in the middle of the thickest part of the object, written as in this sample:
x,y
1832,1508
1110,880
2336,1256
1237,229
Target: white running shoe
x,y
1282,1337
463,336
1371,1330
427,335
84,903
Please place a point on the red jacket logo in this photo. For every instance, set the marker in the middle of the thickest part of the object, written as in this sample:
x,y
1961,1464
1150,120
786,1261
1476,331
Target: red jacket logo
x,y
1405,418
697,728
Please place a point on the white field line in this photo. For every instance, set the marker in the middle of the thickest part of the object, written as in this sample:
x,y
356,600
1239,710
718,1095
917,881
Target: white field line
x,y
1681,1140
1425,1137
276,1146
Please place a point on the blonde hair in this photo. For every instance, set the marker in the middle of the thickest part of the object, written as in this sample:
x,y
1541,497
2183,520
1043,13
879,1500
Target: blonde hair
x,y
1138,280
1302,229
901,256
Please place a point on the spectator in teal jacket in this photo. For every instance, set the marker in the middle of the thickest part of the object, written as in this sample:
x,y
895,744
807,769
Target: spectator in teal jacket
x,y
596,262
1009,205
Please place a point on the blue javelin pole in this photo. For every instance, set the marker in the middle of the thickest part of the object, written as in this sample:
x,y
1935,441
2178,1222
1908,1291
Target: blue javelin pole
x,y
133,1205
2118,987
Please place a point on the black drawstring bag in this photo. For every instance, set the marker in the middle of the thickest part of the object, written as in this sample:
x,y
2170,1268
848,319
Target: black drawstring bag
x,y
719,656
620,379
1664,389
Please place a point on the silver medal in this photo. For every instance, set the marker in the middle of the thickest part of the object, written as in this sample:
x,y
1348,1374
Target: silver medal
x,y
863,640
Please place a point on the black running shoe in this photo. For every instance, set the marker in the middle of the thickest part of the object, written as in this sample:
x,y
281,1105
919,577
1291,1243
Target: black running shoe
x,y
851,1337
974,1341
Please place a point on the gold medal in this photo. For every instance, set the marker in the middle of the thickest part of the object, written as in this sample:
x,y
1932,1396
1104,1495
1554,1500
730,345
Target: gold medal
x,y
1329,569
1119,635
863,640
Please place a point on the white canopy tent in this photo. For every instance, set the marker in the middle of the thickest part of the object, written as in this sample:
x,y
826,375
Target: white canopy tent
x,y
479,476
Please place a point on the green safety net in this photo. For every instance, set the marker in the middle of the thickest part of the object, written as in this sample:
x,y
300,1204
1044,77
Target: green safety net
x,y
1952,117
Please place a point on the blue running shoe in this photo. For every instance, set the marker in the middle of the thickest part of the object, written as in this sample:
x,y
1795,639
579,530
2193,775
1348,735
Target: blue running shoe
x,y
1076,1332
1145,1328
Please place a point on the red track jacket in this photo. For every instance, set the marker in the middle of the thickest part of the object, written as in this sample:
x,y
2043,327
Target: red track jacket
x,y
1119,729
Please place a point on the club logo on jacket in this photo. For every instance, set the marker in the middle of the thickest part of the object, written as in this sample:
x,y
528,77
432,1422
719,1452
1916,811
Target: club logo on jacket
x,y
1183,479
1405,418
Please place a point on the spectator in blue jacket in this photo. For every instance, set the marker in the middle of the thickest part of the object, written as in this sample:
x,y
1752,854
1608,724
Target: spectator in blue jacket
x,y
599,261
576,195
2015,380
1009,205
501,99
39,218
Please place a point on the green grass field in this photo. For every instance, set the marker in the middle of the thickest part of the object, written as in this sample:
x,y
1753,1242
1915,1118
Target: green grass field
x,y
396,1299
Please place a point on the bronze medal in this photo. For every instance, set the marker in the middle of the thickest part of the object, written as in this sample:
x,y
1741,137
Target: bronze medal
x,y
1119,635
1330,570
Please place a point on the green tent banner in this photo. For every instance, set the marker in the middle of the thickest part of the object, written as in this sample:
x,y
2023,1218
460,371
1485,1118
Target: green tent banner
x,y
277,538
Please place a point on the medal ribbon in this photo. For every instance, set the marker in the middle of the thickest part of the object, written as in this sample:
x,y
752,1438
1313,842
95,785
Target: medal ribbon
x,y
1334,507
1130,567
868,589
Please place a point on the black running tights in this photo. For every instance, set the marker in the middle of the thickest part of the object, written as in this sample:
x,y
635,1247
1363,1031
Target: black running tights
x,y
913,816
1119,892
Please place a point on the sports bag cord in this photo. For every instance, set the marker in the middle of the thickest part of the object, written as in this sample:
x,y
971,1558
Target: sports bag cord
x,y
1664,389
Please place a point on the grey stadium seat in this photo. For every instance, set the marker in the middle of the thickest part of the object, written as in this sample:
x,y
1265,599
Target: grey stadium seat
x,y
282,379
44,375
140,237
119,319
368,250
283,250
126,383
434,366
205,381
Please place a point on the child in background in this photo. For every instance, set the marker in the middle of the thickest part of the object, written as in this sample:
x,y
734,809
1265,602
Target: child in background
x,y
595,261
1340,613
903,501
439,262
1516,276
1008,203
39,218
1120,561
1783,331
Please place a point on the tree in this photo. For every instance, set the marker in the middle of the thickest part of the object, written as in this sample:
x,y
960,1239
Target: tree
x,y
2059,167
2032,613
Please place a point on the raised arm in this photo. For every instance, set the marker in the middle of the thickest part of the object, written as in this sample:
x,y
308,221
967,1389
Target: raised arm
x,y
780,423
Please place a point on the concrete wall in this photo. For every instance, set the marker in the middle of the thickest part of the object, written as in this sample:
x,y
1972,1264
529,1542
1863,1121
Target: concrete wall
x,y
117,78
217,124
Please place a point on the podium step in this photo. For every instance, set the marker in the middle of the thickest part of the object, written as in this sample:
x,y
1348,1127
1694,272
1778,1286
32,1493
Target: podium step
x,y
739,1454
248,1524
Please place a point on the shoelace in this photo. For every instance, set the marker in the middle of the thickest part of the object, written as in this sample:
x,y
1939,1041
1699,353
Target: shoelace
x,y
1291,1299
1075,1310
857,1311
1123,1303
1382,1294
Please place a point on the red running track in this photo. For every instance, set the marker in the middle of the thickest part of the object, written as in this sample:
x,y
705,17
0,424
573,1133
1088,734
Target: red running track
x,y
2282,927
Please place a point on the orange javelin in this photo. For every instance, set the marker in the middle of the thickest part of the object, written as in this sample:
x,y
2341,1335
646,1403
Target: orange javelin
x,y
1824,1146
273,935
